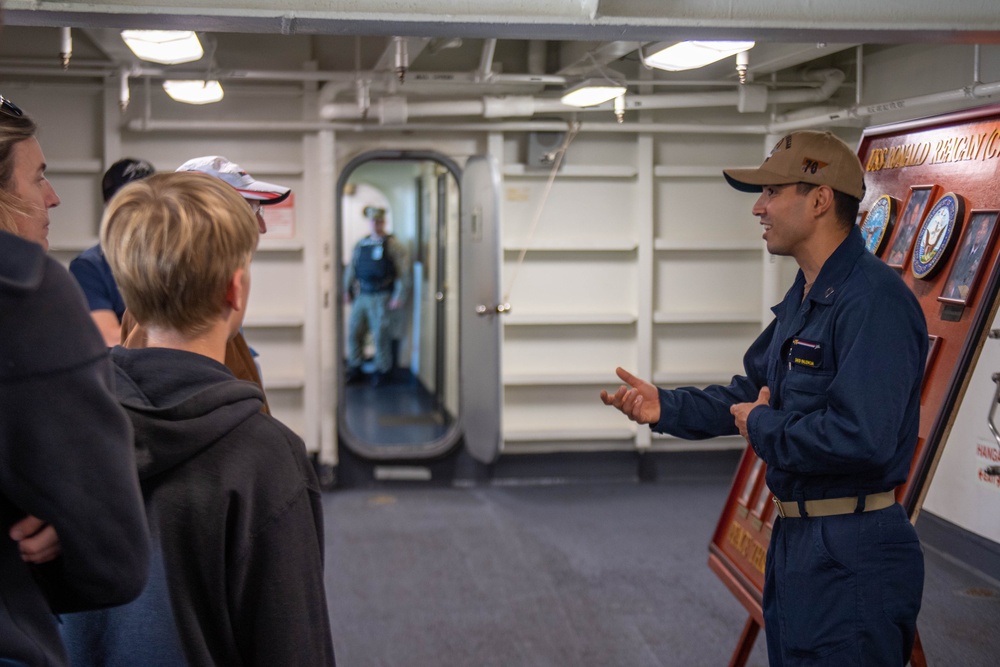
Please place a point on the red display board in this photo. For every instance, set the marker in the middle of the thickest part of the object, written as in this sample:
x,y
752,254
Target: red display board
x,y
940,232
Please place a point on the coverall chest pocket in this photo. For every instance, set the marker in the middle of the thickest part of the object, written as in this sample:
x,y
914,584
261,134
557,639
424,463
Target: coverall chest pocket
x,y
805,390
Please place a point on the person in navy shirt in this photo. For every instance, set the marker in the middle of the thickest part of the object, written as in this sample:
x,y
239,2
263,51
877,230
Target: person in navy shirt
x,y
829,400
90,268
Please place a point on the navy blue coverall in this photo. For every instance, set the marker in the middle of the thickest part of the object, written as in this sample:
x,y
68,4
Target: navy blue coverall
x,y
844,367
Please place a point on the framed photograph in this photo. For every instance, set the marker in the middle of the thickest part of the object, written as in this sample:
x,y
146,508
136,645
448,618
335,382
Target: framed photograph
x,y
937,234
876,226
976,243
913,214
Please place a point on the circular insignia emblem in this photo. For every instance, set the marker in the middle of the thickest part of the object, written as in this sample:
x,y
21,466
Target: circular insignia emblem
x,y
876,228
935,237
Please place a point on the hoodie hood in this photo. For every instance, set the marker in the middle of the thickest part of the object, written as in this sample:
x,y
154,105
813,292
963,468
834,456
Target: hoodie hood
x,y
180,403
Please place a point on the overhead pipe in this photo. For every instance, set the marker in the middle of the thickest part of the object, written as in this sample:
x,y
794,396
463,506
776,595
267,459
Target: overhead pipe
x,y
99,69
486,60
527,105
813,117
148,124
844,115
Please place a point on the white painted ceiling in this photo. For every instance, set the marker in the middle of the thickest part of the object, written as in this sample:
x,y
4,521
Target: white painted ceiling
x,y
461,52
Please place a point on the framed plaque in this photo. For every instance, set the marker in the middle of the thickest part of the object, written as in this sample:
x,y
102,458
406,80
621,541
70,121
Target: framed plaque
x,y
937,235
976,242
932,345
876,227
909,222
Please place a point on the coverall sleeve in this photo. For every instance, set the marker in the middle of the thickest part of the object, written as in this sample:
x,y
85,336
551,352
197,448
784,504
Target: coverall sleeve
x,y
695,414
850,420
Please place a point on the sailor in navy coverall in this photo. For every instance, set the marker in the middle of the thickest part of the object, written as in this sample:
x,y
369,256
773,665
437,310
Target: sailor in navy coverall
x,y
829,401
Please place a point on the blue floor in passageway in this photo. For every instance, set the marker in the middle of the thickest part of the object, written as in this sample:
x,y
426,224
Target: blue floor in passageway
x,y
401,411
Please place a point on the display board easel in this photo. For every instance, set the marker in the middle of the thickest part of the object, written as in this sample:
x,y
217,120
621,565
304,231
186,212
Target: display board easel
x,y
931,191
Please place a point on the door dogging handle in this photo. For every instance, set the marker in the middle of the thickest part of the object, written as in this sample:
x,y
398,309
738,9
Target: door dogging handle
x,y
993,408
499,309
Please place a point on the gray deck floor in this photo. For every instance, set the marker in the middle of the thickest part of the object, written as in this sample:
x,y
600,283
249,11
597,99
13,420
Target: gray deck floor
x,y
588,574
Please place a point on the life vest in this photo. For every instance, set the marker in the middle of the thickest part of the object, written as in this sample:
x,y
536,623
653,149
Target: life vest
x,y
373,266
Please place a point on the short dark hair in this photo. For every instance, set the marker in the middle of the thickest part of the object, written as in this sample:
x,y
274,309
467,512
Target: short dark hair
x,y
124,171
845,207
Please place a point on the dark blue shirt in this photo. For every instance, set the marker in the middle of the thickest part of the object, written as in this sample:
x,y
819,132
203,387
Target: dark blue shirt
x,y
844,367
91,270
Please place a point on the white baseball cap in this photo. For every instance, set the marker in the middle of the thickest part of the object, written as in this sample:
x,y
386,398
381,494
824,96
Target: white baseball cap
x,y
234,175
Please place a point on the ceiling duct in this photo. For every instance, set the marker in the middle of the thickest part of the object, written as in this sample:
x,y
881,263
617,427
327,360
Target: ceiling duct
x,y
400,110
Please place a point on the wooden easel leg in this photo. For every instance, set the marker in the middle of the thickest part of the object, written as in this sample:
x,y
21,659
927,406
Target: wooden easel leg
x,y
917,658
747,638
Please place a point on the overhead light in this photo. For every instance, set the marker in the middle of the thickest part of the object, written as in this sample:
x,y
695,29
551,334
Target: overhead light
x,y
193,92
591,92
167,47
691,55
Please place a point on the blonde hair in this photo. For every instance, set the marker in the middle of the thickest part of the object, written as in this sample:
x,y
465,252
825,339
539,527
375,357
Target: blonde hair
x,y
10,208
174,242
13,130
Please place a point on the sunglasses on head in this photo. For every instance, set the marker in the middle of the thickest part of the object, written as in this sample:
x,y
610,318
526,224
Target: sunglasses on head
x,y
9,108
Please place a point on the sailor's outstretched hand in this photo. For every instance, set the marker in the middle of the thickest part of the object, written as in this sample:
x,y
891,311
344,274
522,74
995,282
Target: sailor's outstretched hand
x,y
640,401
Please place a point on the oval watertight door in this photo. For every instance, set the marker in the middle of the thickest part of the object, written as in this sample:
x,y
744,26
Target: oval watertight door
x,y
480,308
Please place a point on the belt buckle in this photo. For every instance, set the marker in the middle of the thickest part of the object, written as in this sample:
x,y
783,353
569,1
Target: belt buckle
x,y
777,503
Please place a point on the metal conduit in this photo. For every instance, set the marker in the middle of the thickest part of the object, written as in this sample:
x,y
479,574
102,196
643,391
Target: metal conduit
x,y
401,109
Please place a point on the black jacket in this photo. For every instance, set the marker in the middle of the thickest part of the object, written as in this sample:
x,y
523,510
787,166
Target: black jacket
x,y
234,509
65,457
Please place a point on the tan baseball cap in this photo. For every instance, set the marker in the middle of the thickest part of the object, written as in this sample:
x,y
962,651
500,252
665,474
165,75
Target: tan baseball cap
x,y
807,156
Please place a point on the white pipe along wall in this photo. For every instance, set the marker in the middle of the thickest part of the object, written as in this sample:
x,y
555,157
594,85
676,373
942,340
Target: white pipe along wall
x,y
397,109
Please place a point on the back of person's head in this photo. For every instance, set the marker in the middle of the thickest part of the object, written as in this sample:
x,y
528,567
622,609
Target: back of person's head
x,y
122,172
15,126
174,241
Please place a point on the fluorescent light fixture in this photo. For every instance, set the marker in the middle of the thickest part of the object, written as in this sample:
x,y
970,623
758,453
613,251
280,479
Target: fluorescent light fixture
x,y
691,55
167,47
591,92
193,92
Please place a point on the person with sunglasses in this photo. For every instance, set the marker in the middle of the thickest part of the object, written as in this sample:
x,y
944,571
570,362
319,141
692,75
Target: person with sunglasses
x,y
70,506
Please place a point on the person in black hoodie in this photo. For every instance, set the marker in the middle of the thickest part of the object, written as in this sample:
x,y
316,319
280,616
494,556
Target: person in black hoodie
x,y
69,497
233,504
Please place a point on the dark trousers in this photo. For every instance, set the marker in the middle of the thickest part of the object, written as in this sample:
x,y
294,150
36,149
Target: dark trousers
x,y
843,591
